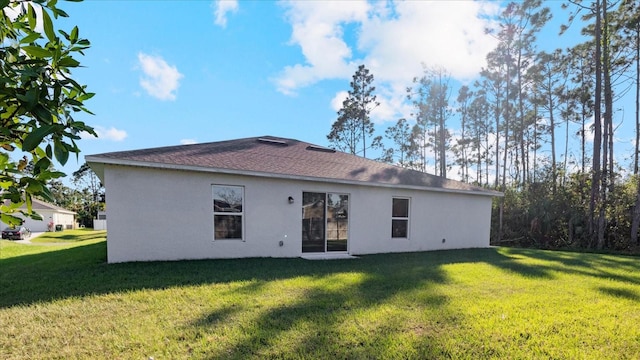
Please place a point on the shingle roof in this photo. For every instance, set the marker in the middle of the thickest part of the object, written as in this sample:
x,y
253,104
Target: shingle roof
x,y
279,157
43,205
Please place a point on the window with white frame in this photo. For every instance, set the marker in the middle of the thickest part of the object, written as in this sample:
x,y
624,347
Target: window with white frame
x,y
400,218
228,212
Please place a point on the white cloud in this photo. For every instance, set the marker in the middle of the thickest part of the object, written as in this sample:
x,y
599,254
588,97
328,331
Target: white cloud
x,y
437,33
188,141
393,39
393,103
317,27
14,9
159,79
86,135
336,102
111,134
222,8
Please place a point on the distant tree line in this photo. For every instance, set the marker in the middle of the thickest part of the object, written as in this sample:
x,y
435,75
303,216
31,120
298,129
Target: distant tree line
x,y
85,195
515,127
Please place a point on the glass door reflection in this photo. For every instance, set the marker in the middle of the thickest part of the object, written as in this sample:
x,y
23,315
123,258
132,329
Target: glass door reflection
x,y
325,222
337,222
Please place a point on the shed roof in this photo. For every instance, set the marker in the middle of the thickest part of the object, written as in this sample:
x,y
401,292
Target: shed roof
x,y
270,156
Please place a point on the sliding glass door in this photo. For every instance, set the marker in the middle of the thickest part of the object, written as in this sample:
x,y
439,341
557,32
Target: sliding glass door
x,y
337,222
325,222
314,220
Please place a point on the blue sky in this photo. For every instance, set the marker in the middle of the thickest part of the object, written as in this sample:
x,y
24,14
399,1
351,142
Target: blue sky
x,y
177,72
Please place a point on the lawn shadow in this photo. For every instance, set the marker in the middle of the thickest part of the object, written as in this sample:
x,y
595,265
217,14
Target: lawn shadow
x,y
627,268
82,270
620,293
517,265
321,310
70,237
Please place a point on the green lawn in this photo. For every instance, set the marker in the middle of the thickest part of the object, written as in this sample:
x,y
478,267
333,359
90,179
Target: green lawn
x,y
69,236
65,302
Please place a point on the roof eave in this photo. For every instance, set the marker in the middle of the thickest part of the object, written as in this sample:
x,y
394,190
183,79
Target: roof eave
x,y
100,161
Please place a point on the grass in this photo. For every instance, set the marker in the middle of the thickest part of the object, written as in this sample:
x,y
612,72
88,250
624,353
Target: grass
x,y
69,236
64,302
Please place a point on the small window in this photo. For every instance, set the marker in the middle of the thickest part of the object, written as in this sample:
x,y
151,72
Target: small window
x,y
228,212
400,218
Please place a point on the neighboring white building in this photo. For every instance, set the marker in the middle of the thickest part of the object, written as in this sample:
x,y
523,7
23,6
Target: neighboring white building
x,y
274,197
100,223
50,214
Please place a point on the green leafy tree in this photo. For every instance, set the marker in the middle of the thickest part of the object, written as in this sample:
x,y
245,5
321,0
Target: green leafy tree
x,y
550,78
479,131
462,145
85,178
90,193
354,123
430,98
39,100
528,18
404,149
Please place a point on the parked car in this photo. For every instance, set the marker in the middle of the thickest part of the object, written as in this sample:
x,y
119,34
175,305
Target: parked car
x,y
16,233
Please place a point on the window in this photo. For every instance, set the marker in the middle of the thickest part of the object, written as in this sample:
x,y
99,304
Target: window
x,y
400,218
228,211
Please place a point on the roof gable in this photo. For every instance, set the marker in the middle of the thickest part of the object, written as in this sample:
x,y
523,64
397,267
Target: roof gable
x,y
39,205
279,157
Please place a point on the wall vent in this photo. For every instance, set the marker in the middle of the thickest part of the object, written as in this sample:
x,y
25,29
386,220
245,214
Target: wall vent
x,y
272,141
320,149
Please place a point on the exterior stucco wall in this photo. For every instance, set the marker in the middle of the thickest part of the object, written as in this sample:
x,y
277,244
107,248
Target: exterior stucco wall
x,y
462,221
167,215
58,218
66,220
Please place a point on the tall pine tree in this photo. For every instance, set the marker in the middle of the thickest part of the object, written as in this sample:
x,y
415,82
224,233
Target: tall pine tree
x,y
354,125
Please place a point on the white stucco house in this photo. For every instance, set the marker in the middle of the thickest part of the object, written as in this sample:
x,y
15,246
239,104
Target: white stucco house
x,y
50,214
276,197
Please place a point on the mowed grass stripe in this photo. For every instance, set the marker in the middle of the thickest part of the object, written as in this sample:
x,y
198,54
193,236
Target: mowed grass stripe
x,y
66,302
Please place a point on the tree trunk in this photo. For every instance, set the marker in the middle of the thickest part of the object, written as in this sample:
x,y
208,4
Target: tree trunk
x,y
364,128
566,152
506,122
552,132
497,150
635,155
441,122
583,106
594,202
607,159
535,140
442,145
583,139
486,156
635,221
605,178
521,130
